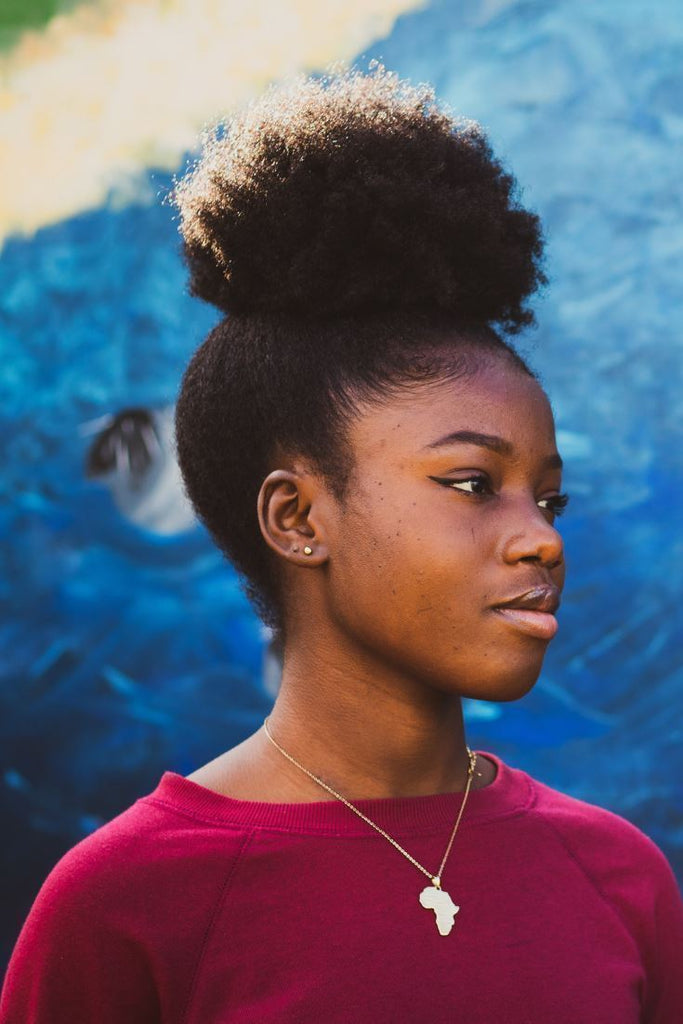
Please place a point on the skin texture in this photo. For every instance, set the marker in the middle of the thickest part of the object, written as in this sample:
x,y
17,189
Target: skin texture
x,y
389,620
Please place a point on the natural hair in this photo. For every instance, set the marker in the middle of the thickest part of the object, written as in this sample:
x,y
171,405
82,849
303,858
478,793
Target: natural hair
x,y
361,241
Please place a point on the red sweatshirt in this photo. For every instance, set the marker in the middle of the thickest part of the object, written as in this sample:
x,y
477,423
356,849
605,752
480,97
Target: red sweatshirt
x,y
198,908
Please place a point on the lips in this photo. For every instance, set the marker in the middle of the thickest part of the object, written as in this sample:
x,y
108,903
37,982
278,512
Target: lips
x,y
544,598
532,611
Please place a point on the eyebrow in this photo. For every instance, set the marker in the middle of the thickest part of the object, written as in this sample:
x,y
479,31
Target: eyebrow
x,y
496,444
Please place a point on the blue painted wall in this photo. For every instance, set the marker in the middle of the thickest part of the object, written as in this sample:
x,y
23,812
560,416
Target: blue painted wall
x,y
124,654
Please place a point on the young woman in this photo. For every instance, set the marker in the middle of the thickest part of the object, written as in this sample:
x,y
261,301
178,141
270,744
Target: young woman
x,y
380,465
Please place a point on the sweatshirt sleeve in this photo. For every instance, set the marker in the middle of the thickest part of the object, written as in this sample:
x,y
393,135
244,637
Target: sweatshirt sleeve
x,y
633,875
77,959
663,1002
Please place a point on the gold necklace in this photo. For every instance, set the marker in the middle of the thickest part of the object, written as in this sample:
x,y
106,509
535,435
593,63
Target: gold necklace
x,y
432,897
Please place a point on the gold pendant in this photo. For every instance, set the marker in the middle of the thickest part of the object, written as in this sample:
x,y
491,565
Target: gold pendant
x,y
433,897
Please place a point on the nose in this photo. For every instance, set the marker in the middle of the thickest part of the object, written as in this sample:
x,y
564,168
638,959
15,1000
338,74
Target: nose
x,y
533,539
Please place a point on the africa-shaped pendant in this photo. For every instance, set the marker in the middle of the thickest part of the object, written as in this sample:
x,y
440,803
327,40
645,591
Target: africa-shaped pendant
x,y
433,897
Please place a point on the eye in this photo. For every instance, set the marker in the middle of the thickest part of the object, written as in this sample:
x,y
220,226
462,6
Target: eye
x,y
556,504
476,482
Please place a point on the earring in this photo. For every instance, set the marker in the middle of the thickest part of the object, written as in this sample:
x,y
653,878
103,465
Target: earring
x,y
308,551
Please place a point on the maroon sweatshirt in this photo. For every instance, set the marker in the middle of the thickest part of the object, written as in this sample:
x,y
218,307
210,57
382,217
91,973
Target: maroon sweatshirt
x,y
198,908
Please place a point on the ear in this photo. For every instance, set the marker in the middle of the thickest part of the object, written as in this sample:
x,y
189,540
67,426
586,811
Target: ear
x,y
290,511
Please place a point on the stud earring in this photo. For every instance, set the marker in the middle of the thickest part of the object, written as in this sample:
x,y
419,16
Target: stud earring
x,y
308,551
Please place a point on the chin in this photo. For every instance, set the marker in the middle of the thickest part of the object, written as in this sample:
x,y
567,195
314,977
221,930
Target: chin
x,y
511,683
507,685
515,687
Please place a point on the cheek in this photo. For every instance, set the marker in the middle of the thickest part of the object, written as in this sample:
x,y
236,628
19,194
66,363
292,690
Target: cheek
x,y
408,569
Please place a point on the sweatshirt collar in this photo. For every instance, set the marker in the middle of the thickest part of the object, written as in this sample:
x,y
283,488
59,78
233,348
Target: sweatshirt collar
x,y
510,793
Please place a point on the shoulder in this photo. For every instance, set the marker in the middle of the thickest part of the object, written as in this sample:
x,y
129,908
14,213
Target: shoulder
x,y
139,852
632,876
617,858
593,831
104,935
126,877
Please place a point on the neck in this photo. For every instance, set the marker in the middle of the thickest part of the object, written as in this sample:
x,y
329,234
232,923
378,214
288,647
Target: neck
x,y
366,730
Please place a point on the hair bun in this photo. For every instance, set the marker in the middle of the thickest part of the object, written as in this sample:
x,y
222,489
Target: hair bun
x,y
355,194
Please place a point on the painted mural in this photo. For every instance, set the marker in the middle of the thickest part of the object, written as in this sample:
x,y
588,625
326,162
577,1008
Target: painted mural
x,y
126,645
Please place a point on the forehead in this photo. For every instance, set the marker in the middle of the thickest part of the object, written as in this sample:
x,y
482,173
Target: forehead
x,y
499,399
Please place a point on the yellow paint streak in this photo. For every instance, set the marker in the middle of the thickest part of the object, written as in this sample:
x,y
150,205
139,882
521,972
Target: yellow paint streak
x,y
110,89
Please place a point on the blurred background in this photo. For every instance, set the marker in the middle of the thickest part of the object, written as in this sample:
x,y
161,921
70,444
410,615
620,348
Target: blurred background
x,y
126,645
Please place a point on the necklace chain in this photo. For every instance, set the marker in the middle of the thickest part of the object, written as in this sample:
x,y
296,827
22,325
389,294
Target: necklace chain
x,y
436,879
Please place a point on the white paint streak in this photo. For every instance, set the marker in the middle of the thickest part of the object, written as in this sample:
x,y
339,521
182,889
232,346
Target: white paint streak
x,y
105,91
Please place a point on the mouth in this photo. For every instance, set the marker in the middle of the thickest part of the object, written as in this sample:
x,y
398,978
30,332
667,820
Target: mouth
x,y
543,625
532,612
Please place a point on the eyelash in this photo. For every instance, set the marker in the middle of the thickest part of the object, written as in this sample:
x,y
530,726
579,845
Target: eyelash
x,y
557,502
